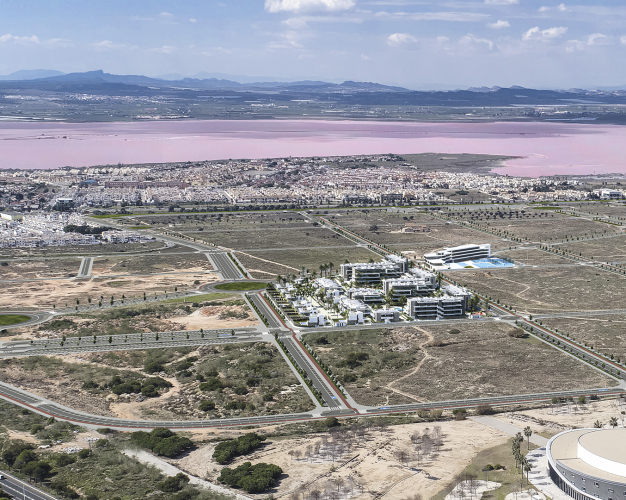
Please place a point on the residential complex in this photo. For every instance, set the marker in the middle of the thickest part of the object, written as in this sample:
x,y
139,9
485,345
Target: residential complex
x,y
461,253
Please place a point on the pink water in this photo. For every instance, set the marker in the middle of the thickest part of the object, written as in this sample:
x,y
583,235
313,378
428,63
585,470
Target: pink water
x,y
547,148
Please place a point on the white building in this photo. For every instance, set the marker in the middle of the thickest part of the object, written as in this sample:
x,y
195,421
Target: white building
x,y
461,253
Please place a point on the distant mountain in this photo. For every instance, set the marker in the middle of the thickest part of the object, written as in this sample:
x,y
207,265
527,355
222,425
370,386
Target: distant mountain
x,y
31,74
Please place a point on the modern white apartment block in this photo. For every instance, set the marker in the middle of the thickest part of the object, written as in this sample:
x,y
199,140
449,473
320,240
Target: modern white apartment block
x,y
461,253
366,295
409,287
374,272
435,307
386,315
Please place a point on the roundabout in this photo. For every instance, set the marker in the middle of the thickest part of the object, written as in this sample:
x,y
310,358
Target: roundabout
x,y
18,319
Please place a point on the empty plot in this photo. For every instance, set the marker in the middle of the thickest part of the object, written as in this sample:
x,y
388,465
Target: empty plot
x,y
381,367
74,250
534,257
604,249
44,268
148,264
567,288
263,237
550,229
604,333
285,261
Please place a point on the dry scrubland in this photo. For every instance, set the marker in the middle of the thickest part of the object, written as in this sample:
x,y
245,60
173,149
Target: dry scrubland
x,y
89,250
46,293
558,289
253,377
611,209
429,363
212,311
35,269
604,333
534,257
378,466
148,264
604,249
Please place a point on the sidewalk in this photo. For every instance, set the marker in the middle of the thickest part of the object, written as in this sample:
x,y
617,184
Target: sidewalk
x,y
508,428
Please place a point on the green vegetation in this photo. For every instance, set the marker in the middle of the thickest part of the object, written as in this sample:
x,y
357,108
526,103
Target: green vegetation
x,y
140,227
199,298
242,286
162,442
226,450
174,483
251,478
12,319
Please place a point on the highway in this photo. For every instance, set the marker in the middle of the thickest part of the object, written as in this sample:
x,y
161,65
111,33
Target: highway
x,y
226,266
20,490
266,310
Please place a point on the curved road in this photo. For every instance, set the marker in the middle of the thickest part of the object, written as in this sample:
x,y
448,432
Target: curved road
x,y
36,317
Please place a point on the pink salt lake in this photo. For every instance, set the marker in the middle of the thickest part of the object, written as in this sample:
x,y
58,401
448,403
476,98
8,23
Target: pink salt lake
x,y
547,148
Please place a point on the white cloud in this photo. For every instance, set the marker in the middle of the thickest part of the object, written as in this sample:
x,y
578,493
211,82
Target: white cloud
x,y
623,39
561,8
193,20
543,35
107,45
599,39
165,49
296,22
137,18
365,57
19,39
434,16
470,40
285,44
307,5
166,15
499,25
501,2
400,39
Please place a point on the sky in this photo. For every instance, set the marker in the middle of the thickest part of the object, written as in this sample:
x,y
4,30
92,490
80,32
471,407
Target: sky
x,y
418,44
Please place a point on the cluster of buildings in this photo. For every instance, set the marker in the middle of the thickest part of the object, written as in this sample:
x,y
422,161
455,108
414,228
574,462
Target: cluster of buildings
x,y
380,292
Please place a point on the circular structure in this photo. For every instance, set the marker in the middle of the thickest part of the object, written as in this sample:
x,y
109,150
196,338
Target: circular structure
x,y
589,463
240,286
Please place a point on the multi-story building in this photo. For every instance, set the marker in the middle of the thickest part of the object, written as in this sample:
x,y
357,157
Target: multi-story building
x,y
444,307
374,272
409,286
461,253
365,295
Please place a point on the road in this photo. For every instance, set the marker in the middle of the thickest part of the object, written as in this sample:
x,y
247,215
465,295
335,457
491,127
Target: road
x,y
36,317
226,266
84,271
273,320
20,490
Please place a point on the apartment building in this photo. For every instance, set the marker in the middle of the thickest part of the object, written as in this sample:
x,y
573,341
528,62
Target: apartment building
x,y
445,307
461,253
365,295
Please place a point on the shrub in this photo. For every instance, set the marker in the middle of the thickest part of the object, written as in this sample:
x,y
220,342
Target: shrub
x,y
149,391
454,331
174,483
36,428
90,384
153,367
162,442
354,359
157,382
243,445
349,377
252,382
207,405
236,405
241,390
518,333
84,453
65,459
484,410
251,478
212,384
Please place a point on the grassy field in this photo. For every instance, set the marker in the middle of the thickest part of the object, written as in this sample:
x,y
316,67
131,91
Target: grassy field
x,y
431,364
604,333
241,286
12,319
556,289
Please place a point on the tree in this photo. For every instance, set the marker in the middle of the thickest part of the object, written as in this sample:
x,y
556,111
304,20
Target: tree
x,y
597,424
613,422
528,432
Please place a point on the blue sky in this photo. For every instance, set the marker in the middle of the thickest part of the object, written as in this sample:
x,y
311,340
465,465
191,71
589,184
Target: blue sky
x,y
414,43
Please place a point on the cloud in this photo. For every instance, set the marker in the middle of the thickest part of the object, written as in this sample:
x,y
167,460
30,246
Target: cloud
x,y
107,45
470,40
137,18
599,39
499,25
19,39
545,35
400,39
166,15
296,22
435,16
285,44
302,21
193,20
561,8
623,40
365,57
274,6
165,49
501,2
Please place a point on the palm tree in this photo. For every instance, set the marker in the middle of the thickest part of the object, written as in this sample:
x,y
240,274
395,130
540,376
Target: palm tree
x,y
613,422
528,432
527,468
331,266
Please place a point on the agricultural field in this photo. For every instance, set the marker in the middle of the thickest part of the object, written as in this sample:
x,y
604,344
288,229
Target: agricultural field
x,y
266,264
22,269
212,311
149,264
604,333
558,289
45,294
417,364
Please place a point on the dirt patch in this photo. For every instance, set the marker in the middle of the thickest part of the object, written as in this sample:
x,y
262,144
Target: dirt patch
x,y
213,317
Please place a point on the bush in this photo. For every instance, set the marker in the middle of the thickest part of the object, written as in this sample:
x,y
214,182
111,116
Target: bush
x,y
65,459
459,414
153,367
212,384
174,483
90,384
454,331
162,442
9,456
84,453
354,359
149,391
252,382
158,382
251,478
241,390
236,405
36,428
350,377
484,410
207,405
518,333
243,445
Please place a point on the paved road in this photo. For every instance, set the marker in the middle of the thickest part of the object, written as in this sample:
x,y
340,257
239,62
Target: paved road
x,y
509,429
270,315
226,266
21,490
36,317
84,270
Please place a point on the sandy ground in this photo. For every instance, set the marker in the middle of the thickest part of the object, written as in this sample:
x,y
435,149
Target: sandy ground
x,y
43,294
550,421
209,318
374,465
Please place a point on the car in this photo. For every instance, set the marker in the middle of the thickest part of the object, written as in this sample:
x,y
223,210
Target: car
x,y
1,477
